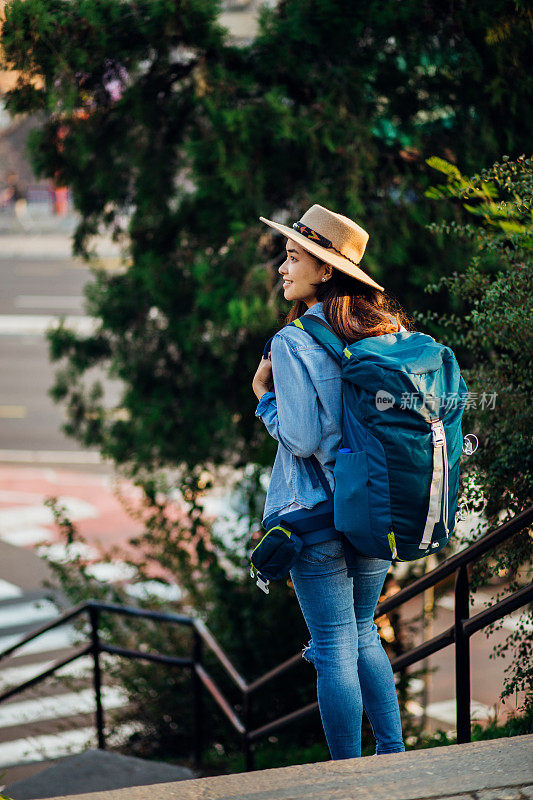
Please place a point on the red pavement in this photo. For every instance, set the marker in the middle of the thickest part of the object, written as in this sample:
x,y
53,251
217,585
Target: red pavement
x,y
107,525
111,525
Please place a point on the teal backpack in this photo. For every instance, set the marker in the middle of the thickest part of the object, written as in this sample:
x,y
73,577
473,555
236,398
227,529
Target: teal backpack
x,y
397,472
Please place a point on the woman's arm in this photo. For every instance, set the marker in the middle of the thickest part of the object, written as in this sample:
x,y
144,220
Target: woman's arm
x,y
290,413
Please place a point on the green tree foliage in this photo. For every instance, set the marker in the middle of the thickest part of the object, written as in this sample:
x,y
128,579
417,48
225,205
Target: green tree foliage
x,y
177,141
497,287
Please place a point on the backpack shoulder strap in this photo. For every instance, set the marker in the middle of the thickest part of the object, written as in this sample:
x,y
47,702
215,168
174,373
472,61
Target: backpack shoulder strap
x,y
323,334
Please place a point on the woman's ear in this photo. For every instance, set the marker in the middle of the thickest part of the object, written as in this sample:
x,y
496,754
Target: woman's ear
x,y
328,269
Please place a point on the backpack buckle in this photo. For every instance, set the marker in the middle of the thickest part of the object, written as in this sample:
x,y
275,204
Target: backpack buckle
x,y
437,429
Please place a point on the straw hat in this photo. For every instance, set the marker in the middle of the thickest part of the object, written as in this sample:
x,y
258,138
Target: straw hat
x,y
331,237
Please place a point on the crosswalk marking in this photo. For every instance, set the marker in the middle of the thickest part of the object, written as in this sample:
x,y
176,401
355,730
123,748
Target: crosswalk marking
x,y
55,639
63,705
445,710
39,514
54,745
144,590
23,525
25,613
51,456
40,748
38,324
65,553
111,571
81,668
8,590
49,301
26,536
13,676
13,412
482,600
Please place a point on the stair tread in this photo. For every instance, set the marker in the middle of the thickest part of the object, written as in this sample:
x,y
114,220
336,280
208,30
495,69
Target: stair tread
x,y
433,773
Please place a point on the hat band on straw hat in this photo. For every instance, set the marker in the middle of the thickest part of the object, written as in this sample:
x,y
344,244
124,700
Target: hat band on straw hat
x,y
319,239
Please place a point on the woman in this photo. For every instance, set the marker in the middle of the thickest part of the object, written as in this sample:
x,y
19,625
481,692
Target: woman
x,y
337,589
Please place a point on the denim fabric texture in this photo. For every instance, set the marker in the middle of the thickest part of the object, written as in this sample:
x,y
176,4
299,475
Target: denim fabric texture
x,y
352,667
304,415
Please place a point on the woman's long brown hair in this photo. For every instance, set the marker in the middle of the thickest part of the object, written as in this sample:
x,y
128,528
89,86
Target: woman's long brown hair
x,y
354,309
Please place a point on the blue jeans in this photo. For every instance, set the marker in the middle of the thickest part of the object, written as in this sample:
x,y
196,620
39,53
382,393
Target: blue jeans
x,y
352,667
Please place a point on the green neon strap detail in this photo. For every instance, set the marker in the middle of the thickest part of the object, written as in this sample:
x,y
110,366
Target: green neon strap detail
x,y
276,527
392,544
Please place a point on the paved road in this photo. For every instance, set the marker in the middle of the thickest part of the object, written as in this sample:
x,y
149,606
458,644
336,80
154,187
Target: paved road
x,y
34,292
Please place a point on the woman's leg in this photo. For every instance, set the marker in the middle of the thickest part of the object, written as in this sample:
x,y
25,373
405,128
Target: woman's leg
x,y
375,672
325,594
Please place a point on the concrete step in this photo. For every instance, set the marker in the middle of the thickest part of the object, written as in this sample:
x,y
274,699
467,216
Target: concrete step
x,y
499,769
93,771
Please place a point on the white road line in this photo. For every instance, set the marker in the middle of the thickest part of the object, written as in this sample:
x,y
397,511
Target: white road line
x,y
16,497
24,613
483,600
8,590
49,301
33,246
38,324
39,514
26,536
444,711
65,553
42,748
54,745
514,622
416,685
58,706
56,639
144,590
22,525
51,457
13,676
13,412
111,571
81,668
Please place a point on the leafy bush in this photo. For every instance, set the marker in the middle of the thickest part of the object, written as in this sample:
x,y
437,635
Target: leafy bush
x,y
497,290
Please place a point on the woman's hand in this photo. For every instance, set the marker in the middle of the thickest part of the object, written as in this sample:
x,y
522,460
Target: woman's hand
x,y
263,381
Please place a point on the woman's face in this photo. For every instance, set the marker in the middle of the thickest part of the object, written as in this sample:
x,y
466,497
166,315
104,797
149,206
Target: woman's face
x,y
302,273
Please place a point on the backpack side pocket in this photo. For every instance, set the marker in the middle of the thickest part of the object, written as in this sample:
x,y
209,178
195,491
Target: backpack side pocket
x,y
351,500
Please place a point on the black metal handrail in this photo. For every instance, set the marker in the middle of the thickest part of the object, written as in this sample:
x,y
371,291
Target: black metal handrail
x,y
463,558
459,634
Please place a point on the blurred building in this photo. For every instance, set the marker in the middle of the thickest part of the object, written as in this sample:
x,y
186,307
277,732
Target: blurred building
x,y
16,175
240,17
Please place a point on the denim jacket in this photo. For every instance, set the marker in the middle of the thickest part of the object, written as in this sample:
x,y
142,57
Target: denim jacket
x,y
304,414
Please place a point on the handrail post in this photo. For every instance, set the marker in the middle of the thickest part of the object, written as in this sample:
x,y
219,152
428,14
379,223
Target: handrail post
x,y
197,700
97,676
247,746
462,655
